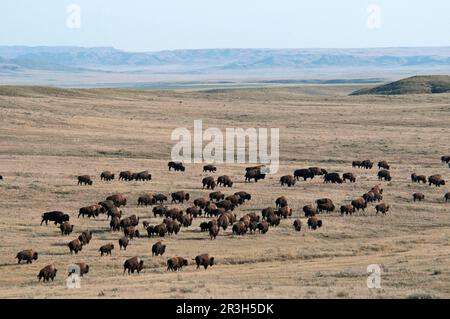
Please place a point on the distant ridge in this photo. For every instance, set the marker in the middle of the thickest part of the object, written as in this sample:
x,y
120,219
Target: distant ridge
x,y
429,84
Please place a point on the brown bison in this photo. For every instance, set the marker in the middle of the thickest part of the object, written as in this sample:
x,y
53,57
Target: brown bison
x,y
125,176
91,211
204,260
131,232
436,180
224,181
145,200
254,174
244,195
114,224
177,166
288,180
28,255
85,237
239,228
160,229
297,225
75,246
359,203
201,202
445,159
226,204
223,221
418,178
273,220
55,216
209,168
216,196
309,210
176,263
123,242
213,230
106,249
160,210
369,197
85,179
114,212
66,228
304,173
418,197
281,202
367,164
84,268
143,176
180,197
158,249
47,273
118,200
357,164
133,264
284,212
383,164
318,171
209,182
263,226
106,176
194,211
332,178
325,207
383,208
129,221
349,177
160,198
235,199
447,197
314,223
347,209
384,174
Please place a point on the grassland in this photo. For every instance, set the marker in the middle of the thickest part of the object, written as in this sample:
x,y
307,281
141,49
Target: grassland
x,y
49,136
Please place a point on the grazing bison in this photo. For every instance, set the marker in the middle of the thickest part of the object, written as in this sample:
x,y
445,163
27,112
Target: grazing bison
x,y
118,200
332,178
75,246
384,174
106,176
273,220
447,197
436,180
66,228
281,202
125,176
133,264
204,260
85,179
47,273
85,237
359,203
123,242
160,198
263,226
225,181
383,208
146,199
106,249
418,197
347,209
309,210
177,166
418,178
209,168
383,164
209,182
55,216
288,180
244,195
213,230
350,177
324,201
367,164
239,228
216,196
143,176
160,210
326,207
255,175
297,225
284,212
357,164
158,249
180,197
314,223
91,211
28,255
176,263
304,173
445,159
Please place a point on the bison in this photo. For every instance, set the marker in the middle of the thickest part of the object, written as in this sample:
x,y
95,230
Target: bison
x,y
75,246
66,228
177,166
158,249
284,212
347,209
418,197
176,263
263,226
297,225
160,198
436,180
357,164
209,182
445,159
383,164
125,176
146,199
133,264
225,181
55,216
216,196
304,173
118,200
85,237
180,197
309,210
143,176
204,260
349,177
288,180
160,210
447,197
383,208
84,268
106,249
213,230
318,171
244,195
28,255
332,178
123,242
359,203
91,211
314,223
209,168
84,179
106,176
254,174
281,202
47,273
114,224
367,164
384,174
239,228
418,178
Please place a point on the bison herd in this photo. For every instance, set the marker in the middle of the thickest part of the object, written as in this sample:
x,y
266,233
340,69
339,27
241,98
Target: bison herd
x,y
217,206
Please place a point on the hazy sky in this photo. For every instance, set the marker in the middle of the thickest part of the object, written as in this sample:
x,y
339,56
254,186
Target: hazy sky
x,y
149,25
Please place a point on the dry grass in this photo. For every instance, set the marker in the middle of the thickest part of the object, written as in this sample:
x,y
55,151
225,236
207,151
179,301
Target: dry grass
x,y
47,140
